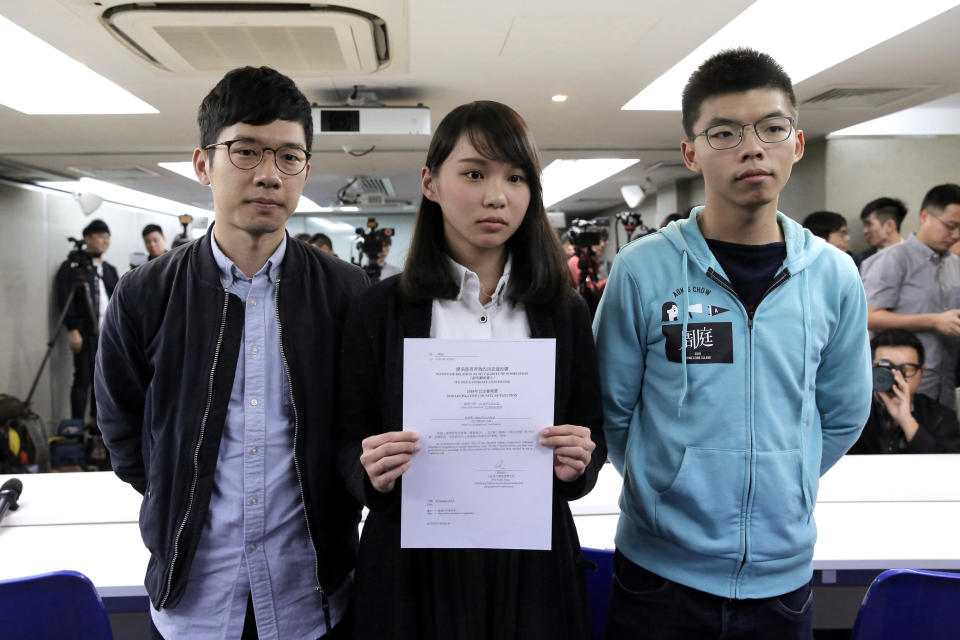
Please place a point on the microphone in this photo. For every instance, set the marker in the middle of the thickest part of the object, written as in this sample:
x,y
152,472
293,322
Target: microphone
x,y
9,494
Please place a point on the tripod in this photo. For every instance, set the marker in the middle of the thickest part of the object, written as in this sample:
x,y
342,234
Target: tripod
x,y
80,264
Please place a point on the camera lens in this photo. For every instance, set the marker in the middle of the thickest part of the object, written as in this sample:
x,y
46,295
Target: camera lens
x,y
882,378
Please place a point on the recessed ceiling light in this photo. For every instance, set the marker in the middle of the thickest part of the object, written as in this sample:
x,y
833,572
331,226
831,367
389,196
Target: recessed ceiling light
x,y
563,178
39,79
778,29
560,97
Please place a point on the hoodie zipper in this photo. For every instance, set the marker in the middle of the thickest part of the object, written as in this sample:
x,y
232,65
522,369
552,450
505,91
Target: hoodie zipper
x,y
325,603
780,278
196,453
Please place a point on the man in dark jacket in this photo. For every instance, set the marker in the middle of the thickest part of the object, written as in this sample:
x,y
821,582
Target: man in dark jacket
x,y
902,420
217,390
93,280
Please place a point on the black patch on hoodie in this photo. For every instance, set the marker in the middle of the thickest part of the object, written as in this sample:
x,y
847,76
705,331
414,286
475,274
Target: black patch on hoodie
x,y
706,342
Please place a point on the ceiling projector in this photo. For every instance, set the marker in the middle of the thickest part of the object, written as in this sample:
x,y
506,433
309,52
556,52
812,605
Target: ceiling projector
x,y
371,120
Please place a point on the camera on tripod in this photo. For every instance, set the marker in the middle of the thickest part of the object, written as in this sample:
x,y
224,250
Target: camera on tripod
x,y
584,234
369,246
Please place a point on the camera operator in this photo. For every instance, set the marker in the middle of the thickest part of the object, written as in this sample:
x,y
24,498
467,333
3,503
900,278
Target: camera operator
x,y
93,279
587,236
902,420
373,245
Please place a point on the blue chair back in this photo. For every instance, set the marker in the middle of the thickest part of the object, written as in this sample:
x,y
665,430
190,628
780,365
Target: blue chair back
x,y
599,584
903,604
63,605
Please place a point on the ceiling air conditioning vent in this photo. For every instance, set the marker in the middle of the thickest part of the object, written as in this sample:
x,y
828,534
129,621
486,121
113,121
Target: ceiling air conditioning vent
x,y
860,97
299,39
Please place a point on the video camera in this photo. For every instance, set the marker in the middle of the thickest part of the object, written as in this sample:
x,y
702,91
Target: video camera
x,y
79,258
584,234
369,245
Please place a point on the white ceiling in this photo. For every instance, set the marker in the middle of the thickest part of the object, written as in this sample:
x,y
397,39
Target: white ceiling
x,y
600,53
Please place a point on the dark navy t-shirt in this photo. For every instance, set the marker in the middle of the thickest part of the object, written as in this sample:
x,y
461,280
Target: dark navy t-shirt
x,y
750,268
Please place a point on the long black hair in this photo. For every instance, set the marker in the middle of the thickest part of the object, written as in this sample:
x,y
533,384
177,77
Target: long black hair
x,y
539,274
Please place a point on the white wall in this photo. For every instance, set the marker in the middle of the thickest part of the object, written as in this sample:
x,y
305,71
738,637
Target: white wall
x,y
34,225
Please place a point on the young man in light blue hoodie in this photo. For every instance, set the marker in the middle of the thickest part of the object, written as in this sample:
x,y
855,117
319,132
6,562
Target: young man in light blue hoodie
x,y
735,366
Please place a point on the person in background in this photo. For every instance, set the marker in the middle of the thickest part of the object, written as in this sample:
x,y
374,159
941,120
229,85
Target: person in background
x,y
153,241
832,227
567,246
323,242
881,220
915,285
86,312
901,420
386,269
217,382
484,263
735,370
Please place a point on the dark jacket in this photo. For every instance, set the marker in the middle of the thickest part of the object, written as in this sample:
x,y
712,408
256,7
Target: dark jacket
x,y
393,587
165,368
939,430
78,315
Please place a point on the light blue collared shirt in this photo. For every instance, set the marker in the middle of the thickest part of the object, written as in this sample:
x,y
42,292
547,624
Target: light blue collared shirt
x,y
255,540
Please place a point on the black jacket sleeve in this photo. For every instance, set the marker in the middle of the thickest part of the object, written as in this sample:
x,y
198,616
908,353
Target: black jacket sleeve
x,y
121,379
361,403
62,285
585,408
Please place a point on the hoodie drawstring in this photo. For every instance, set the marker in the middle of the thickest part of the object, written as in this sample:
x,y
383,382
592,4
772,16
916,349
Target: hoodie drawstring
x,y
683,335
805,403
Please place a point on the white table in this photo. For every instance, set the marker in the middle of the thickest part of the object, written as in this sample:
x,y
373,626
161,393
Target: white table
x,y
873,513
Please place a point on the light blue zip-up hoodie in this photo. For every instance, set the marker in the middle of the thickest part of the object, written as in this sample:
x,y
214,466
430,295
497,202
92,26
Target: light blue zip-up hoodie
x,y
721,444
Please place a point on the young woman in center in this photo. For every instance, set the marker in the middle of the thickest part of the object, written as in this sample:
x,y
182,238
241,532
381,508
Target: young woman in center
x,y
483,263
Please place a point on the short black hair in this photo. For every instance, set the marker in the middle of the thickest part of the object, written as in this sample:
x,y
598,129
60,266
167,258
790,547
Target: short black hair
x,y
886,209
941,196
96,226
897,338
150,228
255,96
321,240
732,71
539,275
823,223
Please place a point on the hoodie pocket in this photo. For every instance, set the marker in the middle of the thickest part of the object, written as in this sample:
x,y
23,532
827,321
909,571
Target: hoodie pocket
x,y
779,522
701,509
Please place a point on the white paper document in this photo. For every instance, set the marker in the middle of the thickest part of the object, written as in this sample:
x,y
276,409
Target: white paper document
x,y
481,478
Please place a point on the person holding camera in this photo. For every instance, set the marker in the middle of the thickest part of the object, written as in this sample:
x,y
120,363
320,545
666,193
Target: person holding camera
x,y
86,309
902,420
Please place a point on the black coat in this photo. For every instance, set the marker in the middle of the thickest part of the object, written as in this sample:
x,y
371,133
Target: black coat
x,y
165,368
455,593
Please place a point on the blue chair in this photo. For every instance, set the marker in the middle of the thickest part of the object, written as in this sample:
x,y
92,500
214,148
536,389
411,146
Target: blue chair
x,y
903,604
599,584
63,605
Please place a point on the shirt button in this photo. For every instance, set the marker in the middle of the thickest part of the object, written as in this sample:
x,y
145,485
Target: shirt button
x,y
254,402
254,501
253,302
255,351
483,319
251,547
253,450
